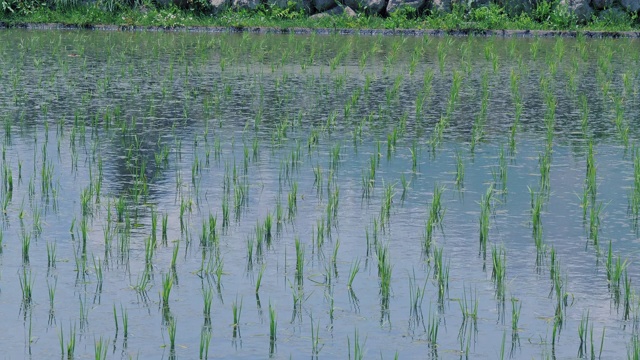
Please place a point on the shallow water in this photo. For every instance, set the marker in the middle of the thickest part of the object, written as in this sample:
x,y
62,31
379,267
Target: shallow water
x,y
176,125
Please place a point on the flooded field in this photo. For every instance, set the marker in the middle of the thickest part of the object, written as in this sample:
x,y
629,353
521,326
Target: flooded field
x,y
237,196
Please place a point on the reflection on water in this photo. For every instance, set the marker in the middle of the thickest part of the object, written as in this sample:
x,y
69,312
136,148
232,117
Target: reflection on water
x,y
148,175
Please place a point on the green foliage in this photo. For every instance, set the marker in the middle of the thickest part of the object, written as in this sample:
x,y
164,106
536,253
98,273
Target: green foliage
x,y
546,15
552,13
271,10
400,17
21,7
489,17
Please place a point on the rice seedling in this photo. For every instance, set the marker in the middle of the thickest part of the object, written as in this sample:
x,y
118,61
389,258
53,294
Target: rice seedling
x,y
485,213
433,324
205,342
225,211
355,267
207,297
459,179
171,329
273,327
71,344
633,350
299,261
516,307
358,348
469,306
441,273
502,163
615,271
125,322
628,296
292,200
385,208
498,274
100,349
414,156
236,310
427,238
26,245
51,253
154,225
259,278
143,284
544,161
583,328
594,222
405,188
315,339
384,273
51,290
26,285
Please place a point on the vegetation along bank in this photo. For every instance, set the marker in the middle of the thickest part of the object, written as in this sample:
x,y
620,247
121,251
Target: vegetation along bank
x,y
462,16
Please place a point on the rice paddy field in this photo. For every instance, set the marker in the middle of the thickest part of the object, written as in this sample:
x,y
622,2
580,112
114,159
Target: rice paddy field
x,y
175,195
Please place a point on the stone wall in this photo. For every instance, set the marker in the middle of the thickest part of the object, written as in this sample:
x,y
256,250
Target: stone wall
x,y
583,10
